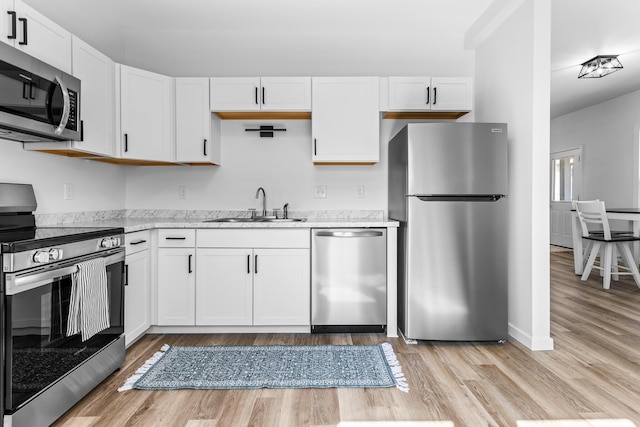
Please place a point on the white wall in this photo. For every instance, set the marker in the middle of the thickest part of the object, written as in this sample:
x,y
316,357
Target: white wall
x,y
607,132
97,186
512,85
282,165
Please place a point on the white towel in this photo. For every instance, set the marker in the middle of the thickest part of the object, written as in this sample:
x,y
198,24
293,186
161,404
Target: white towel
x,y
89,305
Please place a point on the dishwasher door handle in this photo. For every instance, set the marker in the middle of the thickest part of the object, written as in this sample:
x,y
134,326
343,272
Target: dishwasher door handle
x,y
363,233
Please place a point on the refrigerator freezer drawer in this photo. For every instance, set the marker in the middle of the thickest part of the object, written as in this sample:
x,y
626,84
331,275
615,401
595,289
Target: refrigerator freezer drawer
x,y
348,277
455,286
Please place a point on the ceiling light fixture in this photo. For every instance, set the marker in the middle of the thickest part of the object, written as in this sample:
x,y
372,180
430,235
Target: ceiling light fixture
x,y
599,66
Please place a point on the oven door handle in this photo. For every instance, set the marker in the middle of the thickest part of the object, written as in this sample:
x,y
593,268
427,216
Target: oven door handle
x,y
20,282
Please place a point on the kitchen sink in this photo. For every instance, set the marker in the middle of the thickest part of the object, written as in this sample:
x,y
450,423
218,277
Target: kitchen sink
x,y
259,219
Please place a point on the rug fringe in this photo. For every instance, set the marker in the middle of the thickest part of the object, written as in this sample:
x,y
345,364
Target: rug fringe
x,y
128,384
396,369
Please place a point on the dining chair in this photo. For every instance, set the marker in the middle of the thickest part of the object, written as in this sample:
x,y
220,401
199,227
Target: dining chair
x,y
596,229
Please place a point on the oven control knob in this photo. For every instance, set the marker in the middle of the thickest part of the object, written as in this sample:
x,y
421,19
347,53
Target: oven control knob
x,y
110,242
41,256
55,254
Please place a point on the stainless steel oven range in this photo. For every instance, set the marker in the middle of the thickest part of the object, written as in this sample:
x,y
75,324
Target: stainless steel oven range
x,y
62,305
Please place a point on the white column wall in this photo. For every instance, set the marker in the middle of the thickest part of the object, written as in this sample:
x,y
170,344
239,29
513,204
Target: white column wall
x,y
513,86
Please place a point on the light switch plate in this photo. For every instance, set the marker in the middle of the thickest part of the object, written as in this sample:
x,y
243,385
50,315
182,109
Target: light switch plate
x,y
182,192
68,191
360,191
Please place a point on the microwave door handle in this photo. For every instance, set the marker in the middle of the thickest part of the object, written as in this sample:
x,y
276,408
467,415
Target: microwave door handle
x,y
65,111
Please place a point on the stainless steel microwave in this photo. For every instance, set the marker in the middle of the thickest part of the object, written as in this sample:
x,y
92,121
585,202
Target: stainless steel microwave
x,y
37,101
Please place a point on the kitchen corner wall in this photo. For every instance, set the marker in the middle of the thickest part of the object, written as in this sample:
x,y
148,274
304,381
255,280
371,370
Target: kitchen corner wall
x,y
282,165
96,186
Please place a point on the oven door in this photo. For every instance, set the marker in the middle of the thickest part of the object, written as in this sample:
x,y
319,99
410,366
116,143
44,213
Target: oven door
x,y
38,348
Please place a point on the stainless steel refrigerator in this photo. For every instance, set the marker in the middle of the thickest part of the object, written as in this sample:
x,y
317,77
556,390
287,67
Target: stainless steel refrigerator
x,y
448,188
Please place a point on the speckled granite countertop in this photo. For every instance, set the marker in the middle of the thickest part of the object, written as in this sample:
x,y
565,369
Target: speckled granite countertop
x,y
138,221
139,224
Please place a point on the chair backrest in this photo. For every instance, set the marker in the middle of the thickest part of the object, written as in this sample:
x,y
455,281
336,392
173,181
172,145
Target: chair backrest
x,y
592,215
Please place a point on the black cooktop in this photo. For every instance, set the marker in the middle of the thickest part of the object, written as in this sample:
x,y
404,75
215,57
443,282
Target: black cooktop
x,y
18,240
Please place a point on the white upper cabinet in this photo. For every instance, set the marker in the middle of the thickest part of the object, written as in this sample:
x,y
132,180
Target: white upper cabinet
x,y
261,94
346,120
30,31
97,106
430,94
147,115
194,142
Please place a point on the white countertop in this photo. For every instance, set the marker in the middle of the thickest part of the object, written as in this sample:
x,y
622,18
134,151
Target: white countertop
x,y
139,224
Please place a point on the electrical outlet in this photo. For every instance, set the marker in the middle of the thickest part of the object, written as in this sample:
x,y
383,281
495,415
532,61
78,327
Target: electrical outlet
x,y
182,192
360,191
68,191
320,192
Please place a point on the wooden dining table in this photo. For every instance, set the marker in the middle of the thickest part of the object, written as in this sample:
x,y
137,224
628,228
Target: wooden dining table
x,y
625,214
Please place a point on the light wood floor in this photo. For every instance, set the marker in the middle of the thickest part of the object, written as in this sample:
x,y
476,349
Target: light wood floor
x,y
593,373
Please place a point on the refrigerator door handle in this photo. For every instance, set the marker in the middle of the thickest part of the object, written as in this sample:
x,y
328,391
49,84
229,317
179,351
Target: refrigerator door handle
x,y
460,197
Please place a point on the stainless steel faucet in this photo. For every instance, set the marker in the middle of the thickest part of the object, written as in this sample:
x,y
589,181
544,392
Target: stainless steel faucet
x,y
264,200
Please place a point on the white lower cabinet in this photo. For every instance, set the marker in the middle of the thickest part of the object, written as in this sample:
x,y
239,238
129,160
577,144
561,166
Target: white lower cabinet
x,y
137,307
253,277
176,277
224,287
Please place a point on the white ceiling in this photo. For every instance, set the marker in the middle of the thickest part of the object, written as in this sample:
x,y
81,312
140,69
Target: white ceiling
x,y
346,37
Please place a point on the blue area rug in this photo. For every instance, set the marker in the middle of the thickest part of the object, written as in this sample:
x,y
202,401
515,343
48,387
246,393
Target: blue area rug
x,y
274,366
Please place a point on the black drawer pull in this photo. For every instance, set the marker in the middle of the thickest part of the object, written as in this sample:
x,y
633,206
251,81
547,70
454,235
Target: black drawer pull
x,y
175,238
13,24
137,242
24,31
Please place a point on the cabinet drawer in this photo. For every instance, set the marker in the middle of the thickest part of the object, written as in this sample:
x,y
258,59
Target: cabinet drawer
x,y
137,241
245,238
176,238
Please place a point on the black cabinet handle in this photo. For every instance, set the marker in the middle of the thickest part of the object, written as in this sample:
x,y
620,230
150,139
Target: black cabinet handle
x,y
138,242
255,265
175,238
190,270
248,264
24,31
428,94
435,95
263,101
257,95
81,130
126,275
315,146
13,15
204,147
126,142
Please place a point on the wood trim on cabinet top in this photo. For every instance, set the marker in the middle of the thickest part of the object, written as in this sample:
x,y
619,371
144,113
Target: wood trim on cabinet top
x,y
264,115
417,115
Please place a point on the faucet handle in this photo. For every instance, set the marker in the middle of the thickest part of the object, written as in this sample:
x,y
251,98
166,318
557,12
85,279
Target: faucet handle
x,y
276,213
253,212
285,210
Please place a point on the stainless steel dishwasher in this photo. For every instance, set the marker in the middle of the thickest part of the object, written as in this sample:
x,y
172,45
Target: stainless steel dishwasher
x,y
349,280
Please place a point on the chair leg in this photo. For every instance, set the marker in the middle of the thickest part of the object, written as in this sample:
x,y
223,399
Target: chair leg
x,y
614,262
606,268
595,248
630,262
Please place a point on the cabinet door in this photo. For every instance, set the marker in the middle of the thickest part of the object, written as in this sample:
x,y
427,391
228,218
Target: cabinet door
x,y
45,39
235,94
193,122
96,71
7,28
137,310
281,287
346,120
146,115
409,93
285,93
451,94
224,287
176,286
